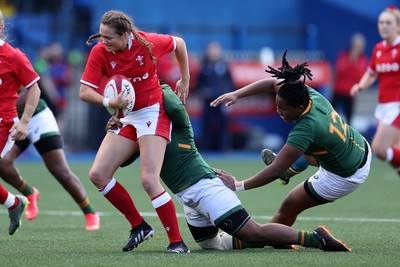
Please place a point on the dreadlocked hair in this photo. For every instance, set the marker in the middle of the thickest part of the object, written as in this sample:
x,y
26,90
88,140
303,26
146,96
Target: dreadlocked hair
x,y
293,88
121,23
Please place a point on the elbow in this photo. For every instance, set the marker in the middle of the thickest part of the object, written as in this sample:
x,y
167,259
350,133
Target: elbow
x,y
180,43
83,93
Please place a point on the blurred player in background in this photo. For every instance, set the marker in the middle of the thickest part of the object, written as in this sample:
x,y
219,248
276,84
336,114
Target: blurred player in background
x,y
319,133
385,66
214,79
209,205
44,133
16,71
126,51
349,67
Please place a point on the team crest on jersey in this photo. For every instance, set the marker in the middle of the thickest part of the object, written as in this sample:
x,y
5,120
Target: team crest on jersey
x,y
139,58
148,124
379,54
394,53
113,64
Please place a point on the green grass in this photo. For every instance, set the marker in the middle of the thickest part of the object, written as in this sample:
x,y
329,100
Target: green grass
x,y
368,220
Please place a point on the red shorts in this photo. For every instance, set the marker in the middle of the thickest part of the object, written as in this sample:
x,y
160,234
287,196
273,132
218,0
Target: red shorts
x,y
5,137
151,120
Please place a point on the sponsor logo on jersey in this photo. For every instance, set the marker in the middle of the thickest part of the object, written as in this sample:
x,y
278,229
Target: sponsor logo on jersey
x,y
138,79
148,124
113,64
387,67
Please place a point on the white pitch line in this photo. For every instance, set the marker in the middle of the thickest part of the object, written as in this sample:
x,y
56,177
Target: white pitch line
x,y
256,217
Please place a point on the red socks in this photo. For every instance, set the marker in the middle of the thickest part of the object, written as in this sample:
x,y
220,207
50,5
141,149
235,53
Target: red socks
x,y
166,211
117,195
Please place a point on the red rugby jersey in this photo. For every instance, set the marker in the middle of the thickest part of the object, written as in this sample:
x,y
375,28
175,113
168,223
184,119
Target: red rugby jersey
x,y
385,62
134,63
15,71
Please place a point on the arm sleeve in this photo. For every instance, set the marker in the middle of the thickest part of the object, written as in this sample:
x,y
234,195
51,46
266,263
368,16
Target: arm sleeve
x,y
174,107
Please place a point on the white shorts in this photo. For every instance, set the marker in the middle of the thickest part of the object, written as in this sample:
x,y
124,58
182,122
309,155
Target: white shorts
x,y
208,202
331,187
388,113
42,124
151,120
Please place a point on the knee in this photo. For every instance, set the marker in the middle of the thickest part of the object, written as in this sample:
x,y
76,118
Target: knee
x,y
5,163
215,243
150,183
286,205
96,178
379,150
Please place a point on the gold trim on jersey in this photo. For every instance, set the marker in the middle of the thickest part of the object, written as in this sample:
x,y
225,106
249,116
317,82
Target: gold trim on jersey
x,y
185,146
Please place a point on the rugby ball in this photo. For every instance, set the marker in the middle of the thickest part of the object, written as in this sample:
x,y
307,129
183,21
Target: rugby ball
x,y
113,88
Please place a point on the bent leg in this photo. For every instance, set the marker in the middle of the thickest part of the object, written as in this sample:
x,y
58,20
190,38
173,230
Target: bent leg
x,y
294,203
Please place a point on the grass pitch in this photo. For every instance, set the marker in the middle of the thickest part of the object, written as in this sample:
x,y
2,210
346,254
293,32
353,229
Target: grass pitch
x,y
367,220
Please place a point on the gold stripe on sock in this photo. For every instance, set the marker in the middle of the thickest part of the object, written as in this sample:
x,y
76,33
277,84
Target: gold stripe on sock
x,y
302,238
23,186
84,203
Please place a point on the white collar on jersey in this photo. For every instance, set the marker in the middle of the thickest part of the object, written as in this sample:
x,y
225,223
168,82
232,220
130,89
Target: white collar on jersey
x,y
1,42
395,42
130,41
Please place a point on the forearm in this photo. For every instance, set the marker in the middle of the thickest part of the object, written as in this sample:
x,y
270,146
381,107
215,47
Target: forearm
x,y
265,176
366,81
87,94
31,102
261,86
182,59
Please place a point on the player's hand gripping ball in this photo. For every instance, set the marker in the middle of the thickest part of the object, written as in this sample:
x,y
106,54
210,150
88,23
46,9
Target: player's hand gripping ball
x,y
115,85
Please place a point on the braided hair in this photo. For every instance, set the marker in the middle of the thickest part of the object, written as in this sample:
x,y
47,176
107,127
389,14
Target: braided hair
x,y
121,23
293,88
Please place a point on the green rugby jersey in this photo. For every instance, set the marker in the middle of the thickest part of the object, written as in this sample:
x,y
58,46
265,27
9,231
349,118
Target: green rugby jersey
x,y
183,165
321,133
40,107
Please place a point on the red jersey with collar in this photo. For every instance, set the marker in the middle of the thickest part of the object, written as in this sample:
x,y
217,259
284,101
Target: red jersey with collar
x,y
15,71
134,63
385,62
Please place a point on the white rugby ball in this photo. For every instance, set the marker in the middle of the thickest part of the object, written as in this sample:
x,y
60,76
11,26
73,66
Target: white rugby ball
x,y
113,88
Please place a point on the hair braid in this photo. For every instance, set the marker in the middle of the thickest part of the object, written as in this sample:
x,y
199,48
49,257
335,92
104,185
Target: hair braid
x,y
121,23
293,89
289,74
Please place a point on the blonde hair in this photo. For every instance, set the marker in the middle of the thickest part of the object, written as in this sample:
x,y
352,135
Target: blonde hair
x,y
2,35
395,12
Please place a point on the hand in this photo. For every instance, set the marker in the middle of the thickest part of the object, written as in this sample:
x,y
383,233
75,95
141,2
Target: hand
x,y
182,90
355,89
228,98
121,101
19,130
228,179
113,124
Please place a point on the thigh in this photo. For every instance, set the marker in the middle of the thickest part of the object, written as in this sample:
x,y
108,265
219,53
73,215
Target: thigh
x,y
152,150
386,136
113,151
